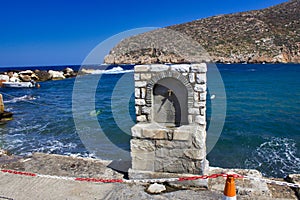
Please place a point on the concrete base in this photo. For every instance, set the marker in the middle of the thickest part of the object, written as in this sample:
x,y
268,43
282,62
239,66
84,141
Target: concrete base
x,y
136,174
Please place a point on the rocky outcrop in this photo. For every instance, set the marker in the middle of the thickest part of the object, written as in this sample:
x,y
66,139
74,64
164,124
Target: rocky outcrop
x,y
294,178
43,75
271,35
36,75
56,75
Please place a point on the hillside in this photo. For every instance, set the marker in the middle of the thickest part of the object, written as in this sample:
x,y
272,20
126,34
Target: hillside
x,y
269,35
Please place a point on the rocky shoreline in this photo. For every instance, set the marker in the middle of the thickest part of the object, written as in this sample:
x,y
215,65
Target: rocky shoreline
x,y
57,165
36,75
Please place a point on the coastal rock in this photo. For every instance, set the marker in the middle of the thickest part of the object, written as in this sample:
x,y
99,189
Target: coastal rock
x,y
294,178
4,77
156,188
26,72
14,79
56,75
43,75
68,72
25,78
3,152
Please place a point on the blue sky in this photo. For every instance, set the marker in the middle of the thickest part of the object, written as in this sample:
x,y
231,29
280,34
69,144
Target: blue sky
x,y
64,32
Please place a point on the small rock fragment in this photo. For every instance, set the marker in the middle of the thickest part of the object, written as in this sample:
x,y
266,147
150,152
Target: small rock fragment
x,y
156,188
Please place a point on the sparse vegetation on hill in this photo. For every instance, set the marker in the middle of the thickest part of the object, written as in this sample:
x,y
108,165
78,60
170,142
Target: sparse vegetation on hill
x,y
269,35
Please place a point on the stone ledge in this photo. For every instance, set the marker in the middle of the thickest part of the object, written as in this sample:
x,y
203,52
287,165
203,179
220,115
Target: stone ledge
x,y
155,131
138,174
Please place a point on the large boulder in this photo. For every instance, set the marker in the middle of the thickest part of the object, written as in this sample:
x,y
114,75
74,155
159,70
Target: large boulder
x,y
14,79
69,72
26,72
25,78
43,75
56,75
4,77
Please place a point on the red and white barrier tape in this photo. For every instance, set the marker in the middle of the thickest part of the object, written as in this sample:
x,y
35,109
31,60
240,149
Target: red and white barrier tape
x,y
160,180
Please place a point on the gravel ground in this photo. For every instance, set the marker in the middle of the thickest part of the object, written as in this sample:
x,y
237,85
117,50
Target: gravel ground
x,y
22,187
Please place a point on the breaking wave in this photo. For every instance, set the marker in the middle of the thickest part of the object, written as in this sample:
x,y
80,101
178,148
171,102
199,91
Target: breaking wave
x,y
276,157
22,98
115,70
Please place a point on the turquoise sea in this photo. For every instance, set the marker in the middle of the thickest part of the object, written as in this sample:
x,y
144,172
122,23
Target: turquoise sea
x,y
261,131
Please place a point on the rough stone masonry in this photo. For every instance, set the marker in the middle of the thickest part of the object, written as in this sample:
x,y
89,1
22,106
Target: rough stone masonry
x,y
170,134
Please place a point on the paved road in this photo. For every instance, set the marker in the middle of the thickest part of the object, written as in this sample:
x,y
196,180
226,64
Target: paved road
x,y
39,188
22,188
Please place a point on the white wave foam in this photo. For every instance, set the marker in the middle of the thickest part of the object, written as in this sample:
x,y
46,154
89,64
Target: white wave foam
x,y
277,157
46,146
115,70
22,98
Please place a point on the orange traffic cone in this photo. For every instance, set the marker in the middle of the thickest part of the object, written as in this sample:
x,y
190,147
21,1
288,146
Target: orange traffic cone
x,y
229,190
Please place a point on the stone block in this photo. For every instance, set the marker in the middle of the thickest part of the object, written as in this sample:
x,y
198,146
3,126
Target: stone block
x,y
200,68
136,131
143,161
142,146
174,166
200,87
149,118
159,164
202,96
176,153
137,93
159,68
137,77
162,152
195,154
155,133
143,92
145,76
196,96
194,111
172,144
146,110
201,78
137,110
192,77
140,102
181,68
141,118
141,68
198,139
200,104
191,119
200,119
181,135
203,111
140,83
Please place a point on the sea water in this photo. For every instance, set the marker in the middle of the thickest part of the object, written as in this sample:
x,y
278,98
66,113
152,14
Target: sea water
x,y
261,130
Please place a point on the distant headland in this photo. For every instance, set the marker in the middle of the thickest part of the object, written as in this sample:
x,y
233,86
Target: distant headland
x,y
270,35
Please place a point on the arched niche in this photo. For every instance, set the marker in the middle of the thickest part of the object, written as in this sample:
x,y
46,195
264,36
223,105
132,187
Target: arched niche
x,y
170,102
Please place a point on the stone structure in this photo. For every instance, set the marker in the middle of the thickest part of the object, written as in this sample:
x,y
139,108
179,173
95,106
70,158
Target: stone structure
x,y
170,134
